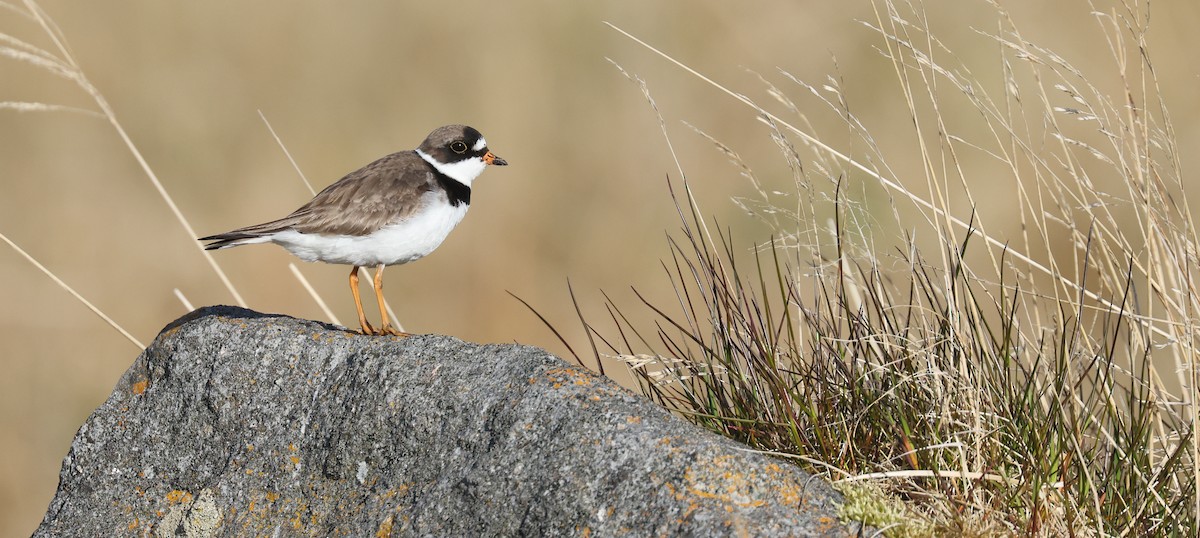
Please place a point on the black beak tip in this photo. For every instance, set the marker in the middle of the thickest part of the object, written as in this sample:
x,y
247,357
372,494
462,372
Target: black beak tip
x,y
499,162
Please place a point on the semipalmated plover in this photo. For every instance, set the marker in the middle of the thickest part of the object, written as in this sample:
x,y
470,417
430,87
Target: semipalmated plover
x,y
390,212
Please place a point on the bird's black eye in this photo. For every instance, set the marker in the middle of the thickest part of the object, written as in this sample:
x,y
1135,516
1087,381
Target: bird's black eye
x,y
458,146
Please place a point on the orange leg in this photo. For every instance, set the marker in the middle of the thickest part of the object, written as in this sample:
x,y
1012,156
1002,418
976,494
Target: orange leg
x,y
362,318
387,326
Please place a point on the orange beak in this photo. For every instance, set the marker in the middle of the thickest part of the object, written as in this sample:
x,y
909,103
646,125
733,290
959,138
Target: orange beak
x,y
491,158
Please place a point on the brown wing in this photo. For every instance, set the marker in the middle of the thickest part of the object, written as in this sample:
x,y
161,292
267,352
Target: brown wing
x,y
364,201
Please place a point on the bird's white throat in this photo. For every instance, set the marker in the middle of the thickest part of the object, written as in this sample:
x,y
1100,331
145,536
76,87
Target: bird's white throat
x,y
464,171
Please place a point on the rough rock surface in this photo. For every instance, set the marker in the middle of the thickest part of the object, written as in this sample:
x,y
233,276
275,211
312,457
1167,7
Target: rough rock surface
x,y
236,423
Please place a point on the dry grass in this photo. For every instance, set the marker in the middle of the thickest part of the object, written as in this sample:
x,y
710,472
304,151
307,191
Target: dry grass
x,y
61,62
1041,384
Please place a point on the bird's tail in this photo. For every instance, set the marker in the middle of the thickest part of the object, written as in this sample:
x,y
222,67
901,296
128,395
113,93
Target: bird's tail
x,y
234,239
258,233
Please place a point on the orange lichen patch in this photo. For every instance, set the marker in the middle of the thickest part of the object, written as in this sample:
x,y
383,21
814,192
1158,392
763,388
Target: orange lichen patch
x,y
585,532
295,460
722,479
272,496
790,495
134,524
176,496
726,498
402,489
671,488
633,420
140,387
385,528
561,375
570,372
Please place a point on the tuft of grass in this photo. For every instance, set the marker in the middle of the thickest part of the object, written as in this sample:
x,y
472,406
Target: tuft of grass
x,y
1039,384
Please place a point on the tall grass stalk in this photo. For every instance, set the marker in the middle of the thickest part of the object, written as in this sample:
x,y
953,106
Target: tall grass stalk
x,y
78,297
313,293
1009,385
63,64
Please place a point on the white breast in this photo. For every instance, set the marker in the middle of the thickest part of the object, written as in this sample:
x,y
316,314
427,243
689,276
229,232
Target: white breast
x,y
394,244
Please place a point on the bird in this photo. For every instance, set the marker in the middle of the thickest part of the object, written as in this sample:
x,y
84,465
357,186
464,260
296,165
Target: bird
x,y
392,211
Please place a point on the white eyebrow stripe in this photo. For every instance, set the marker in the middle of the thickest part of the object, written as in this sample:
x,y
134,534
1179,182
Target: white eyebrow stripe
x,y
480,144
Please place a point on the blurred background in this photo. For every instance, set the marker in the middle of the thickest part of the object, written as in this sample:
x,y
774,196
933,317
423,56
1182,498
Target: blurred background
x,y
585,197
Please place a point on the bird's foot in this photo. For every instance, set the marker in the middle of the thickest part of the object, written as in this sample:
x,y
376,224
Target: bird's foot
x,y
367,329
391,331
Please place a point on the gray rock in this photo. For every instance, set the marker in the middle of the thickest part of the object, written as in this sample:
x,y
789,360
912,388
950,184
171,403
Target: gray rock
x,y
236,423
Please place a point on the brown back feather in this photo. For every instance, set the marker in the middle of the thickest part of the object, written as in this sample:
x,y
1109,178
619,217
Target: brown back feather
x,y
363,201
